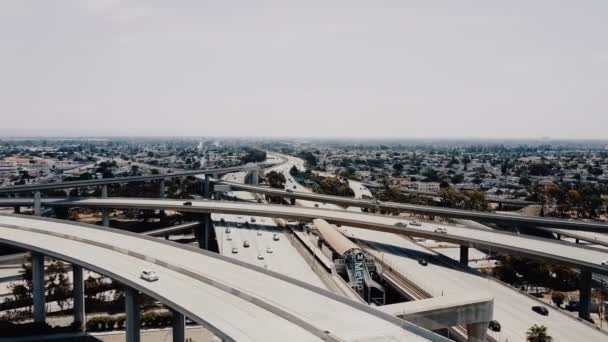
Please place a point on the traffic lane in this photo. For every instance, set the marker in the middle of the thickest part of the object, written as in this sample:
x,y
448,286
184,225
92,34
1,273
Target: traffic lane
x,y
513,243
283,258
319,308
511,308
237,318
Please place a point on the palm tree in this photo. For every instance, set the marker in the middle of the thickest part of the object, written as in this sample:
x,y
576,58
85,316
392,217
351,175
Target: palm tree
x,y
538,334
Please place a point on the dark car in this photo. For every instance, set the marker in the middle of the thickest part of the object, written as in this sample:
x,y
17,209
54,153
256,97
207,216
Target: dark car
x,y
494,325
541,310
187,203
423,262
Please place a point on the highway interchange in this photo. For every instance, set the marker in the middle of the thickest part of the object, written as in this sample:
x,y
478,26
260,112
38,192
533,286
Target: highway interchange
x,y
438,278
565,252
249,303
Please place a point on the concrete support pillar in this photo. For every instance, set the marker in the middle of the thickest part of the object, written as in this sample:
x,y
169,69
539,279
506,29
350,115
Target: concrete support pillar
x,y
38,287
17,209
203,234
293,201
162,188
105,218
477,332
559,236
577,241
37,204
179,327
208,227
133,314
584,294
254,176
207,192
79,309
464,255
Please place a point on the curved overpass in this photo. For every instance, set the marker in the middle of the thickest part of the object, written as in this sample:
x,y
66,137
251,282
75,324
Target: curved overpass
x,y
570,254
427,210
236,301
118,180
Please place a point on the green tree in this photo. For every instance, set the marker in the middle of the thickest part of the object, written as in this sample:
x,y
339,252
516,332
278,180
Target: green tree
x,y
538,333
276,179
398,167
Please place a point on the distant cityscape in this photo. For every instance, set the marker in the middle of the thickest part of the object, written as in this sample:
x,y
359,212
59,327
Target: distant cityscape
x,y
510,234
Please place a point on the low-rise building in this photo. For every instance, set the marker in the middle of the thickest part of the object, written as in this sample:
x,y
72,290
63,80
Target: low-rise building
x,y
427,186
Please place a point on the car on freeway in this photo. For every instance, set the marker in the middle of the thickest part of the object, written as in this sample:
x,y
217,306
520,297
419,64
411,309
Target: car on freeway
x,y
246,244
604,263
288,190
423,262
149,275
259,233
228,230
294,187
494,325
260,257
441,230
235,250
228,238
400,224
540,310
187,203
275,237
253,220
269,250
316,205
415,223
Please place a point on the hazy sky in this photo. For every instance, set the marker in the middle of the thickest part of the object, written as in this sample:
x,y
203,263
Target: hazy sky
x,y
306,68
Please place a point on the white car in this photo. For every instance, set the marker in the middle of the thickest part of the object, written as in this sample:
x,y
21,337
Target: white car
x,y
259,233
441,230
260,257
275,237
228,238
149,275
415,223
235,250
269,250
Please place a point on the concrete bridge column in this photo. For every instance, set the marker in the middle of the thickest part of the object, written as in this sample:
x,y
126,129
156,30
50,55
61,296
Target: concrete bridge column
x,y
37,204
17,209
133,314
584,294
254,176
203,231
79,308
38,287
179,327
293,201
105,218
207,192
162,188
464,255
477,332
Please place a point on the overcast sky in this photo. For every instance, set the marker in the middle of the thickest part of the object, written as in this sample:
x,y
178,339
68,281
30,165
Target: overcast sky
x,y
306,68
